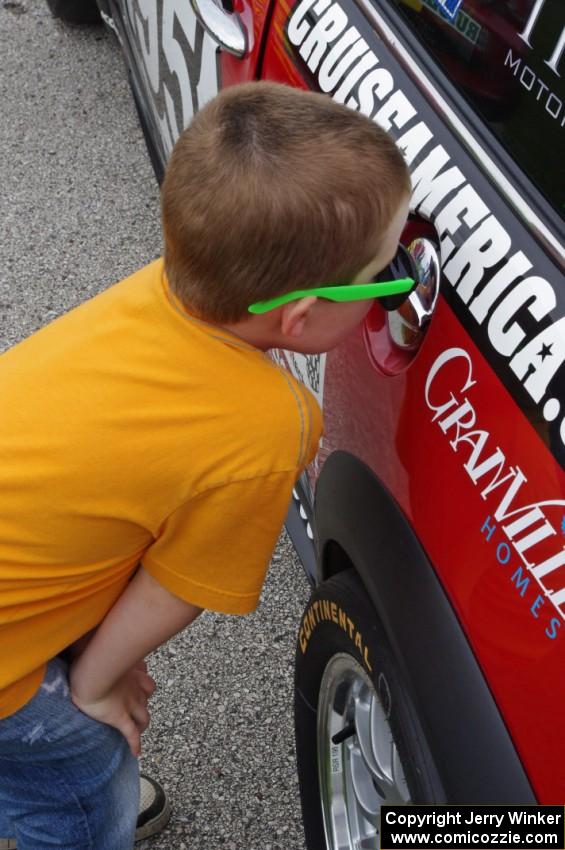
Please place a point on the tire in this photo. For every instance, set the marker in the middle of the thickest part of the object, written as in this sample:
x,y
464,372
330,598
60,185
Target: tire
x,y
75,11
345,674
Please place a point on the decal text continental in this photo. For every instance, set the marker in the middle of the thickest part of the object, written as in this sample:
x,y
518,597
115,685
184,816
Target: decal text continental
x,y
329,611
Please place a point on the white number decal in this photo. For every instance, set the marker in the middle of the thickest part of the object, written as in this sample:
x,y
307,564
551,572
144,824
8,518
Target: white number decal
x,y
150,46
181,11
181,66
208,83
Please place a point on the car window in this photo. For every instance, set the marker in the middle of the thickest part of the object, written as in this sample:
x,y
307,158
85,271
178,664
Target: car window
x,y
505,57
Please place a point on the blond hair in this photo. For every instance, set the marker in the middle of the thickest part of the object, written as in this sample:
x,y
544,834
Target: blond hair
x,y
272,189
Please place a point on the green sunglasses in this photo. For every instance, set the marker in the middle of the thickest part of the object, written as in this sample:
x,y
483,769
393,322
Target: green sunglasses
x,y
349,292
402,267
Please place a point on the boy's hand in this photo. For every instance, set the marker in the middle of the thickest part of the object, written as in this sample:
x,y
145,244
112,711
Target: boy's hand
x,y
124,706
108,682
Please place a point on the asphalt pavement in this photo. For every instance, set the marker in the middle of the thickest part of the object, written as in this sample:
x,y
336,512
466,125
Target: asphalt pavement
x,y
79,210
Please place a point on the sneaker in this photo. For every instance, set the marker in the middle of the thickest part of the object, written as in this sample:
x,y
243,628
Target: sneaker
x,y
154,812
154,808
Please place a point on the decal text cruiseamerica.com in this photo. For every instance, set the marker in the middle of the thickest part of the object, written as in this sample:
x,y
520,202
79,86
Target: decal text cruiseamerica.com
x,y
515,305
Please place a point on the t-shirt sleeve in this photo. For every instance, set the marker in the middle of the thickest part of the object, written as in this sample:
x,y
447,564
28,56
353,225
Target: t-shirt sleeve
x,y
214,550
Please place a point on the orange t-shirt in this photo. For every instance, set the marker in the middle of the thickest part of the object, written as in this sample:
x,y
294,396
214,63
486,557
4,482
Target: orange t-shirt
x,y
132,432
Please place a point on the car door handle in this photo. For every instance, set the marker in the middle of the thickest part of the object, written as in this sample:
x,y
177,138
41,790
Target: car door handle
x,y
224,27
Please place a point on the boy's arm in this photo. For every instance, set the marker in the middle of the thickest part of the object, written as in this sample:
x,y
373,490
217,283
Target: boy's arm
x,y
107,681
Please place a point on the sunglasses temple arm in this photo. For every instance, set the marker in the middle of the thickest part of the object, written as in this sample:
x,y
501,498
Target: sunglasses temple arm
x,y
266,306
337,293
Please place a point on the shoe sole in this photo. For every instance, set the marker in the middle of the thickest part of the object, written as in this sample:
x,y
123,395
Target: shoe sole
x,y
152,826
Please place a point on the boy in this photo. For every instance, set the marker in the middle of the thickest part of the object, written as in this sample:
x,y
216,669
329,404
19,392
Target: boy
x,y
149,446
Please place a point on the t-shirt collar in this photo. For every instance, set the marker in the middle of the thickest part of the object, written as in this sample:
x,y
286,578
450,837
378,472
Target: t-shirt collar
x,y
215,331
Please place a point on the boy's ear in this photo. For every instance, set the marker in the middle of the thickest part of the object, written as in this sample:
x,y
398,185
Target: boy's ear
x,y
294,315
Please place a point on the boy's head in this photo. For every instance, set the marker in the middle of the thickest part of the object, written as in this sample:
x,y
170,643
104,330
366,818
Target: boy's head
x,y
273,189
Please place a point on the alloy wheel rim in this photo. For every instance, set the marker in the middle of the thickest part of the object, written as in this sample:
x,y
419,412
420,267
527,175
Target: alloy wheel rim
x,y
360,769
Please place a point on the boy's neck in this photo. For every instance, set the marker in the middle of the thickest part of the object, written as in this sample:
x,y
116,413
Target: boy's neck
x,y
257,331
251,332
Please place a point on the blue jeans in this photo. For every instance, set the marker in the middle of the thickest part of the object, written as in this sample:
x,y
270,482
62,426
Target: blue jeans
x,y
66,781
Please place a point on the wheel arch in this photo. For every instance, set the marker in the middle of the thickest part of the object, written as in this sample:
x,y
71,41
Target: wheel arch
x,y
358,523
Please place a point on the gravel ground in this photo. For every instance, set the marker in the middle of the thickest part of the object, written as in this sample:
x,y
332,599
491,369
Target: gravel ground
x,y
78,211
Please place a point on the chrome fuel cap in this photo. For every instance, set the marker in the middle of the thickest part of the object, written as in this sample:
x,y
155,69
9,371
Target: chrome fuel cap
x,y
407,324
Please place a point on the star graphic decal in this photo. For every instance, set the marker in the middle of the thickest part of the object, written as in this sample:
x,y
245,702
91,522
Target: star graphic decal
x,y
545,351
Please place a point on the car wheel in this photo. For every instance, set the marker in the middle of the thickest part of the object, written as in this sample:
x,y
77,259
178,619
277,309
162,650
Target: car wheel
x,y
358,740
75,11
